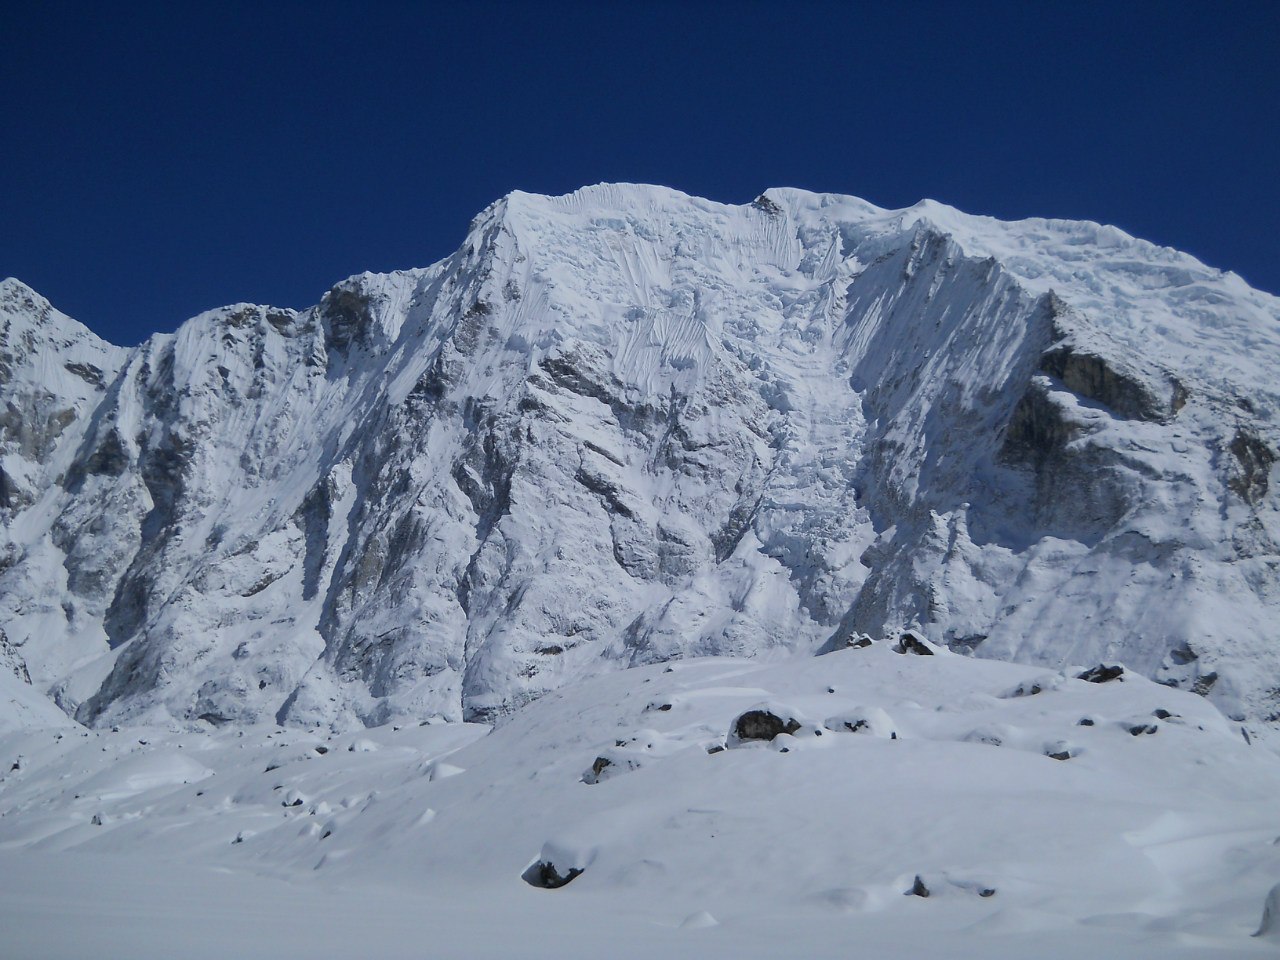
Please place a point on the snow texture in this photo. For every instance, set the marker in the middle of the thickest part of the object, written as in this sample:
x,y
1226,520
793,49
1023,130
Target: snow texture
x,y
627,426
271,841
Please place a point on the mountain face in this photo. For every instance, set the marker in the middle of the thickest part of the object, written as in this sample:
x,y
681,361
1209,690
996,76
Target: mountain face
x,y
626,426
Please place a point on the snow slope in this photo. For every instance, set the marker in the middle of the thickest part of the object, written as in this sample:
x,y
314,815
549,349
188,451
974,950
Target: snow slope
x,y
627,425
1021,801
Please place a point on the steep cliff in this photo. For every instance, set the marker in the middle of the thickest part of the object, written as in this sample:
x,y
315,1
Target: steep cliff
x,y
628,425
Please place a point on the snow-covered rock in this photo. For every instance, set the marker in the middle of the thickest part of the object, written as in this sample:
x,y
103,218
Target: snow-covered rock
x,y
1270,926
626,426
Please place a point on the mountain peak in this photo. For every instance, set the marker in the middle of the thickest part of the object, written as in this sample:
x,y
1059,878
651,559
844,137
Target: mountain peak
x,y
627,425
13,288
29,324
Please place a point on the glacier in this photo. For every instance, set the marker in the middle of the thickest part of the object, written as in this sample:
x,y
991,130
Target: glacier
x,y
627,426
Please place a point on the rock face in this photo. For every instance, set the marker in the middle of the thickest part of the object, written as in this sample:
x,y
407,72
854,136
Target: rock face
x,y
628,425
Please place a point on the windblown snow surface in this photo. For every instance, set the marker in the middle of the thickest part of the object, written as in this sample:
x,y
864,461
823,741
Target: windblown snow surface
x,y
451,524
922,805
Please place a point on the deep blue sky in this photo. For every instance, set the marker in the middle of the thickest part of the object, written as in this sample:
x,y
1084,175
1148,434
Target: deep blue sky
x,y
156,161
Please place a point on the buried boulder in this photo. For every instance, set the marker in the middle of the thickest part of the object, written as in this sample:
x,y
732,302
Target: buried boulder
x,y
1102,673
558,864
870,721
597,768
1142,729
610,763
762,724
1060,750
949,885
1034,687
544,874
910,643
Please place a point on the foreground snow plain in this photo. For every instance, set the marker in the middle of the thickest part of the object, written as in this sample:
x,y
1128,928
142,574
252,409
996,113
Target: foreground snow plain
x,y
901,772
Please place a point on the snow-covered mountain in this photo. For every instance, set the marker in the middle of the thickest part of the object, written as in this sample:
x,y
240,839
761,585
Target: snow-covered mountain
x,y
628,425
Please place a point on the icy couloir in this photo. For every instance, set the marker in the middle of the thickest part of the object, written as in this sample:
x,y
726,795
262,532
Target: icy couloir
x,y
628,425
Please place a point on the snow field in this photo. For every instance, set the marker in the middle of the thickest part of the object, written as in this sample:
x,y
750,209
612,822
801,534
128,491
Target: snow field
x,y
901,773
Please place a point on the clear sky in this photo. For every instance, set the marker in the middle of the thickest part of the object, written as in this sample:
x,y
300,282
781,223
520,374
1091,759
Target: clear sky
x,y
158,160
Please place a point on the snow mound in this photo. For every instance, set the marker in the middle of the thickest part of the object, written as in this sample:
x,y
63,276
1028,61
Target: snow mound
x,y
142,772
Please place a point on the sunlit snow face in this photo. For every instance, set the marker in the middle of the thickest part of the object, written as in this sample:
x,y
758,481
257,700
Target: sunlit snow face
x,y
628,425
914,800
